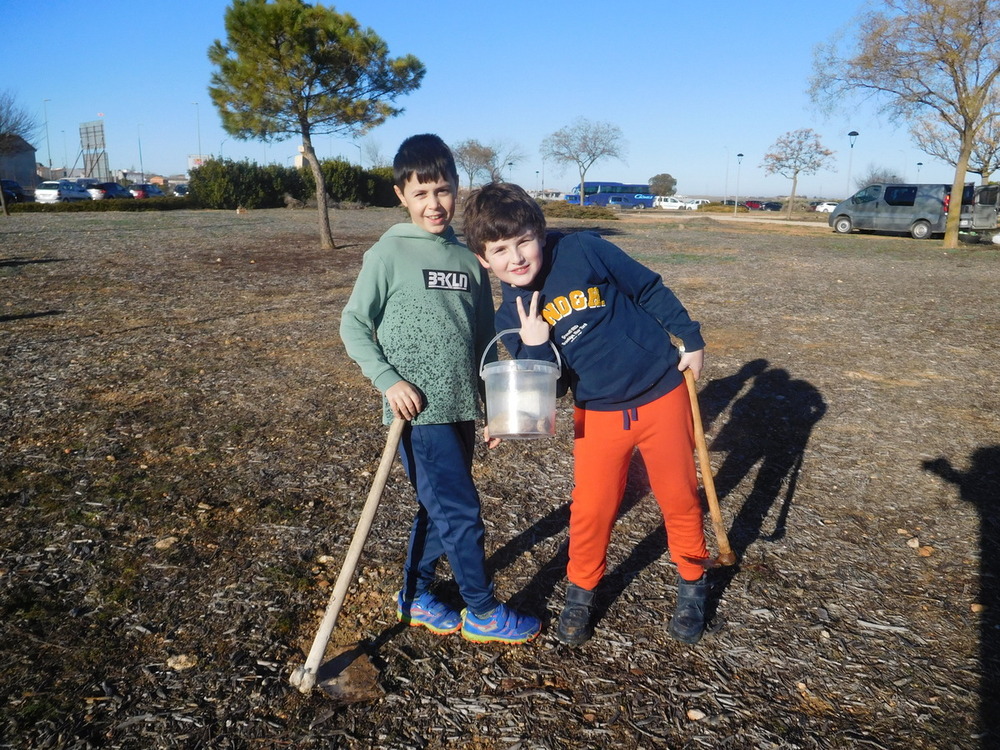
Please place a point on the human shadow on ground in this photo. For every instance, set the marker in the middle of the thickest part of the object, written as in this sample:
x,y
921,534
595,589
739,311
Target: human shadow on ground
x,y
770,425
980,486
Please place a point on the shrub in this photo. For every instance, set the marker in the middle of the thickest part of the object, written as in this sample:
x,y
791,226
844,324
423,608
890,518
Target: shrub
x,y
564,210
719,208
122,204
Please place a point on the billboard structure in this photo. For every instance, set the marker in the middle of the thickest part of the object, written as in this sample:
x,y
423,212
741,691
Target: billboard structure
x,y
92,147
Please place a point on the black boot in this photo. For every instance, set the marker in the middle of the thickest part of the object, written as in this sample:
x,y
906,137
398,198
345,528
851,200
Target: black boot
x,y
574,621
688,622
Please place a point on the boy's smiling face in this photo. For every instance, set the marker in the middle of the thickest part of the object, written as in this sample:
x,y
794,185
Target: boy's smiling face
x,y
516,260
431,205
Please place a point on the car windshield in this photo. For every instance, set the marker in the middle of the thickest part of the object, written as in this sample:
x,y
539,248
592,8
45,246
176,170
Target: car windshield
x,y
49,186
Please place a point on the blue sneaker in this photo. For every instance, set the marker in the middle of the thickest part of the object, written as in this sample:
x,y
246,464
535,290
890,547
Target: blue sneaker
x,y
502,624
427,611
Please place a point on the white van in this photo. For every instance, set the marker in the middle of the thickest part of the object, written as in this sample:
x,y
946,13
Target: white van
x,y
921,210
669,202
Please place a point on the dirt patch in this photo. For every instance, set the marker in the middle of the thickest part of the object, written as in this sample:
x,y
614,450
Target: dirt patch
x,y
186,450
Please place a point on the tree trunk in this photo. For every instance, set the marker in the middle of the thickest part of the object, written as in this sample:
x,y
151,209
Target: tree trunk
x,y
957,187
791,198
583,176
322,202
3,204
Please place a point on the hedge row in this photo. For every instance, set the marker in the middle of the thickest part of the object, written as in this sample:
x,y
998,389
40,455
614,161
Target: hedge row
x,y
227,184
230,184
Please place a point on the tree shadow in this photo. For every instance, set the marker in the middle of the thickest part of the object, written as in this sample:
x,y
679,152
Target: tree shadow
x,y
28,316
14,262
980,486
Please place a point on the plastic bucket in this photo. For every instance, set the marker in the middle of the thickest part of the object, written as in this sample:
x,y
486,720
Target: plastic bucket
x,y
520,395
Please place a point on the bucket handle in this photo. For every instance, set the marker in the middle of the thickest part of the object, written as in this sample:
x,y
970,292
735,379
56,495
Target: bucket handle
x,y
482,362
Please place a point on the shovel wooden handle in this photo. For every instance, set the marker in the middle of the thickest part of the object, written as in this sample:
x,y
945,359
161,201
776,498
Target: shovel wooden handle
x,y
726,556
304,678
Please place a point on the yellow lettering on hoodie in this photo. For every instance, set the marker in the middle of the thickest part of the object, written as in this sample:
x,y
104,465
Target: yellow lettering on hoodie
x,y
562,306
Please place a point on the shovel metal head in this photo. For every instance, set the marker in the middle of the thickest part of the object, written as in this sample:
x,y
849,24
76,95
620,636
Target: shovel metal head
x,y
349,676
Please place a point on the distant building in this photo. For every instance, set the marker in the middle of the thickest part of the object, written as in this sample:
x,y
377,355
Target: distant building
x,y
17,160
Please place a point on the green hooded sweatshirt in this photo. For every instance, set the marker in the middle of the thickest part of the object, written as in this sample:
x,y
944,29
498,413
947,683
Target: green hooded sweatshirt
x,y
421,311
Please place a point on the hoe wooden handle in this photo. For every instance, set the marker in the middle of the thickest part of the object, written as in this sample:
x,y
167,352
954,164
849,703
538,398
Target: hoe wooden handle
x,y
304,678
726,556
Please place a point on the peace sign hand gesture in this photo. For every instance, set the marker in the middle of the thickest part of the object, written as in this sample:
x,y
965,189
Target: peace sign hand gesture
x,y
534,329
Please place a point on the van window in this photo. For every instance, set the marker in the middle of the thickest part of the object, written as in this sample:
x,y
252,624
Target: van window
x,y
901,195
869,194
988,196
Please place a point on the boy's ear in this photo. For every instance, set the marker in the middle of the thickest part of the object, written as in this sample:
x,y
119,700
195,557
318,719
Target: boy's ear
x,y
399,194
483,262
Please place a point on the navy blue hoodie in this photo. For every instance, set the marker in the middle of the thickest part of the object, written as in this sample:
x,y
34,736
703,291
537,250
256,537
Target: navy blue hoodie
x,y
610,317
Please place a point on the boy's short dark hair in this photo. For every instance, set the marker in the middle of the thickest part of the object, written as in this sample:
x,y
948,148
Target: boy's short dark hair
x,y
499,211
427,157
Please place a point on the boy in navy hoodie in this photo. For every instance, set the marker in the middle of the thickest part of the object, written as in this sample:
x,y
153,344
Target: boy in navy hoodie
x,y
611,319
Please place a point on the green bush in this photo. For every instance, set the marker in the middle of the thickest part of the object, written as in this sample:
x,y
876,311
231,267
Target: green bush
x,y
116,204
719,208
227,184
379,187
564,210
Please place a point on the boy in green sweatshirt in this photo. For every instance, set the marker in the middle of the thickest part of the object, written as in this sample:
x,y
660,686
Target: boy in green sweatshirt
x,y
417,321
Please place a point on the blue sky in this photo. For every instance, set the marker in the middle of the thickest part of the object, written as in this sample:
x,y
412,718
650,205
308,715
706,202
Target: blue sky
x,y
691,85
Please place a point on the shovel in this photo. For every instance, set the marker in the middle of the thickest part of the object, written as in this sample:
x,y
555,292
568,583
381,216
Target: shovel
x,y
345,684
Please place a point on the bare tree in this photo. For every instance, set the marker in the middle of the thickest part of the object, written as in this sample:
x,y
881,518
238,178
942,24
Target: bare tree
x,y
505,155
584,143
877,174
473,159
796,152
373,154
936,139
15,125
918,57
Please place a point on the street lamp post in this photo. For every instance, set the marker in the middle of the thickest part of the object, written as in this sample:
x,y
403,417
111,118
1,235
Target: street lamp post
x,y
48,147
919,165
360,163
853,136
736,202
197,119
220,147
510,165
142,169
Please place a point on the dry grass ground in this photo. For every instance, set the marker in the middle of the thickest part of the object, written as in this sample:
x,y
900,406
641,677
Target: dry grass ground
x,y
185,450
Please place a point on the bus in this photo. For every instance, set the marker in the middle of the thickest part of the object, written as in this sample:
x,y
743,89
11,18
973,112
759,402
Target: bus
x,y
618,194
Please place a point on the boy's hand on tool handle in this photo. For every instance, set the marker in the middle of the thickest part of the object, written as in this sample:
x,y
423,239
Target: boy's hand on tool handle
x,y
404,399
534,329
693,361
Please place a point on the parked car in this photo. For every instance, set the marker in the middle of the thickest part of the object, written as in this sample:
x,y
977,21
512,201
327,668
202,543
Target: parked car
x,y
108,190
695,203
826,207
181,191
146,190
771,206
60,191
754,205
13,192
669,202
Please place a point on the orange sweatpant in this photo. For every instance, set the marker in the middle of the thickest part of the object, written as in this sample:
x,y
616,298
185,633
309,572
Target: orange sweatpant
x,y
663,431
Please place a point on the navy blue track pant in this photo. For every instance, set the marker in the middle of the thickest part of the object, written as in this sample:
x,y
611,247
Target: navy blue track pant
x,y
438,461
